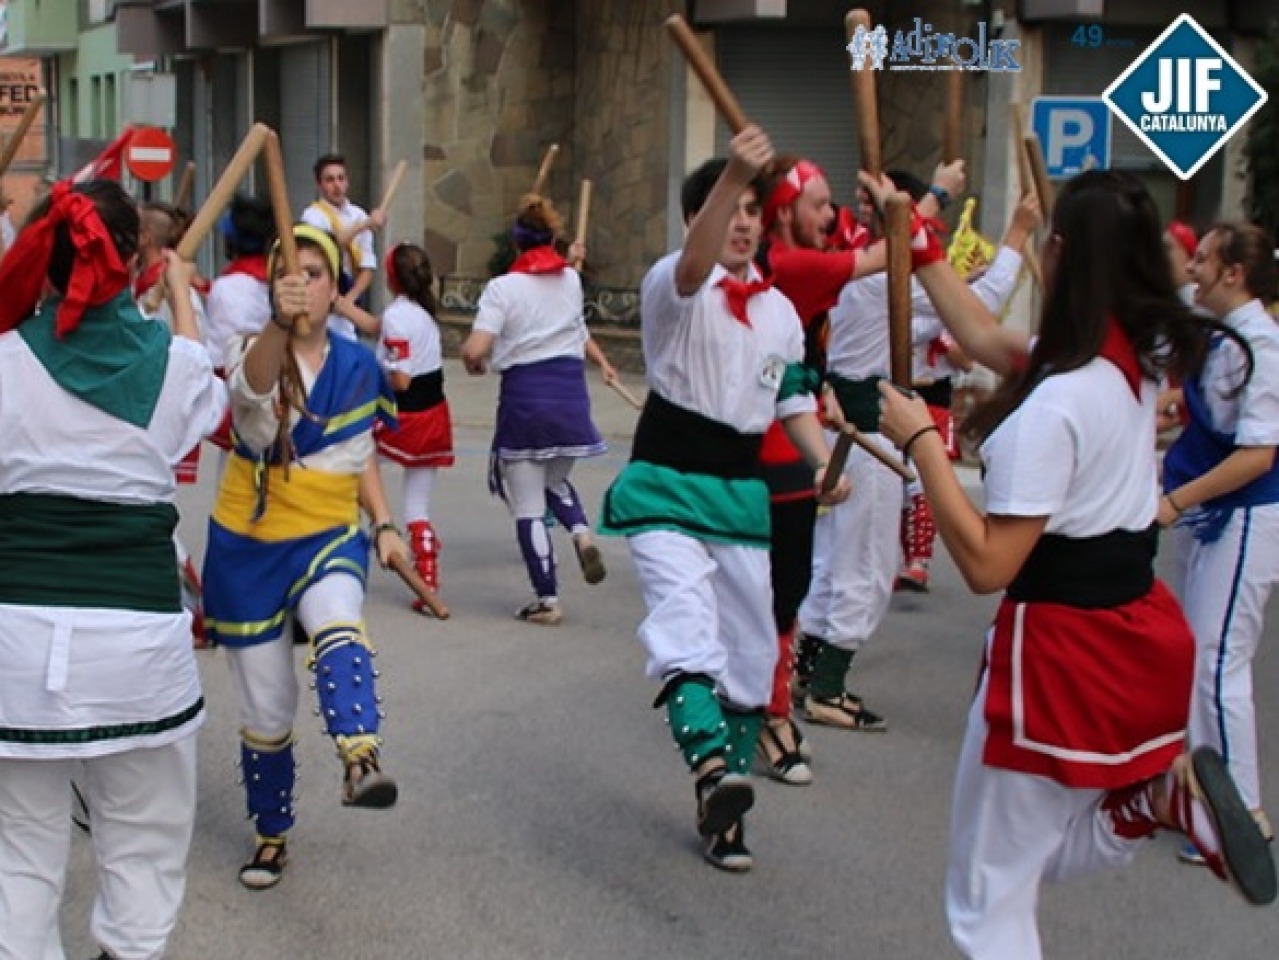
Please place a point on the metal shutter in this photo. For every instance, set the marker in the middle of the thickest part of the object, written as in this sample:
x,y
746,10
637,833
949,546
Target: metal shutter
x,y
794,83
1073,70
305,114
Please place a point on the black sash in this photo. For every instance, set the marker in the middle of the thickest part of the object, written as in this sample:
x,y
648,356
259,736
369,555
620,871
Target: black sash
x,y
424,392
1090,572
671,436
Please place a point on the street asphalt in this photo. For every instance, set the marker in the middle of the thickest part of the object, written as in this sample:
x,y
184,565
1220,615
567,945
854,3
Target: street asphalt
x,y
544,814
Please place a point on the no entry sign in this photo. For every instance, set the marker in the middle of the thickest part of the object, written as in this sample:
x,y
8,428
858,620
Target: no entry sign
x,y
150,154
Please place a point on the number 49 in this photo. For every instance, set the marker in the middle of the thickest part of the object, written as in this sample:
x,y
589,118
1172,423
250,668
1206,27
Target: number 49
x,y
1088,35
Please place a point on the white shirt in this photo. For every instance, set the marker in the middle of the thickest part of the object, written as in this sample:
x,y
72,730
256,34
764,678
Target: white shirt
x,y
532,317
859,347
348,214
164,314
7,233
993,288
1253,415
700,357
1079,450
53,442
238,305
410,339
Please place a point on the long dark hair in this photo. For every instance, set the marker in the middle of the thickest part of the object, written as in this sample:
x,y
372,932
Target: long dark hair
x,y
412,270
1111,264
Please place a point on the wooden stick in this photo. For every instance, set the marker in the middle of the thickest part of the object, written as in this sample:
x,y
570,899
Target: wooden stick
x,y
19,133
393,185
1025,183
222,193
544,171
849,436
865,105
186,186
583,216
430,599
897,217
283,211
952,132
1039,175
726,104
625,394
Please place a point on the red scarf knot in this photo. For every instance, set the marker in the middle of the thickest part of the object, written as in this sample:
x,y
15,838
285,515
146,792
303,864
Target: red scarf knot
x,y
789,188
97,273
542,259
738,292
1118,349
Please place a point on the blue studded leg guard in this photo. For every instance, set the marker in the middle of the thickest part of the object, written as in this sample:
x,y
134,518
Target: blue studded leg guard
x,y
345,685
696,718
743,735
566,506
268,782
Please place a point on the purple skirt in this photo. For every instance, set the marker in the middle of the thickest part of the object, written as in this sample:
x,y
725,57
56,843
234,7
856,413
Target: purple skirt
x,y
544,411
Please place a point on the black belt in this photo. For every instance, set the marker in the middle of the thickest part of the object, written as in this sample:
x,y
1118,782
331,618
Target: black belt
x,y
1109,570
670,436
425,391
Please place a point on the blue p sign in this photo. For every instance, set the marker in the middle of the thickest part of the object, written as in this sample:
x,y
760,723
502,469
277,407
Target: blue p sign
x,y
1074,133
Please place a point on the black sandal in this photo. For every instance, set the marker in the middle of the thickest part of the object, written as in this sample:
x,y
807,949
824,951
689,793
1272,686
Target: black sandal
x,y
790,765
264,871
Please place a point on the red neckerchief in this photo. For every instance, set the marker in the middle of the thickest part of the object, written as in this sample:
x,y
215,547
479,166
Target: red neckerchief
x,y
1118,349
542,259
97,272
147,279
252,264
936,351
738,292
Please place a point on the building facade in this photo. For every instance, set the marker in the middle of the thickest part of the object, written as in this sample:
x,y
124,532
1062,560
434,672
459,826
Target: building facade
x,y
471,93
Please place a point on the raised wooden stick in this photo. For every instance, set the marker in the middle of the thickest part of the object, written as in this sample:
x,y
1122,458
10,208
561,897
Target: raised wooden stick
x,y
1039,174
222,193
583,217
625,394
430,599
1025,182
726,104
544,171
10,149
865,105
897,217
393,185
283,210
952,132
186,186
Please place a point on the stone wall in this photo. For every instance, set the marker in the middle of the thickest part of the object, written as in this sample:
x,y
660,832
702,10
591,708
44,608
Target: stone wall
x,y
498,89
504,79
623,132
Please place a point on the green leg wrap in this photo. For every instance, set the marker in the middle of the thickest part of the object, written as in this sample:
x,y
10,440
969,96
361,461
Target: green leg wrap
x,y
696,720
830,670
743,735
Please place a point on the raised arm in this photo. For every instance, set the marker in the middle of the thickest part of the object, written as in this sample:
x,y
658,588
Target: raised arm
x,y
749,152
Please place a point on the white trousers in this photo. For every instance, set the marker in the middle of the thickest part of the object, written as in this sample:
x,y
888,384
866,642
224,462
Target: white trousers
x,y
856,554
263,676
1009,831
1225,589
142,804
528,480
710,610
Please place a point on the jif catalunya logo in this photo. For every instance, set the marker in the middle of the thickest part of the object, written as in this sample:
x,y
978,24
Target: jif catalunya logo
x,y
1185,96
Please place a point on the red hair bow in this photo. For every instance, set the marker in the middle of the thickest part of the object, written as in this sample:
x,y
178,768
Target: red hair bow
x,y
97,273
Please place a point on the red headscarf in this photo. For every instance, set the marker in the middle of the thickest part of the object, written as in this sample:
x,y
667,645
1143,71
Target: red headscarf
x,y
97,273
1183,235
392,278
789,188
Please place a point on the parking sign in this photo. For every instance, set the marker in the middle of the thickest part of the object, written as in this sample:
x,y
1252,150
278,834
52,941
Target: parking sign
x,y
1074,133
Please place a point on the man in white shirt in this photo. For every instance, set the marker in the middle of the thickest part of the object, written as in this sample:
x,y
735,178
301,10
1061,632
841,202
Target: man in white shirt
x,y
353,229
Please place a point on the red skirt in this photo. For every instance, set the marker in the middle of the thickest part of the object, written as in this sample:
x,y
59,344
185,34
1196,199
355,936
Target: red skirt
x,y
945,421
188,468
1090,698
422,439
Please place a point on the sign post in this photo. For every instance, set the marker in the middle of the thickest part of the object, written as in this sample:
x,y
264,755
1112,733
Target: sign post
x,y
1074,132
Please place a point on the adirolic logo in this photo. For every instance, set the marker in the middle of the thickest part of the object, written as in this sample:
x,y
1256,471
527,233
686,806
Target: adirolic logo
x,y
922,49
1185,97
